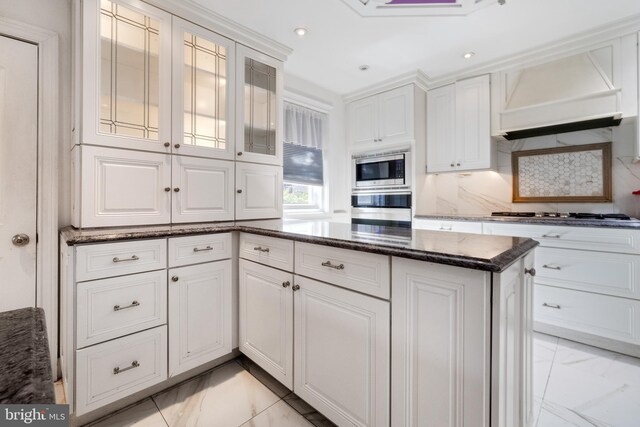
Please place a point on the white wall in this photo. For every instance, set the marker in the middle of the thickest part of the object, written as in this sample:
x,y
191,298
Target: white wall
x,y
480,193
53,15
337,156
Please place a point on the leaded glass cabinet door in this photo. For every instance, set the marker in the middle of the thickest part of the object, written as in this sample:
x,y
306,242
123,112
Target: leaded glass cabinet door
x,y
203,84
259,107
126,75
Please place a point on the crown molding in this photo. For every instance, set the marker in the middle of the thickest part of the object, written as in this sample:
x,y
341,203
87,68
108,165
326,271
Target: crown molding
x,y
200,15
418,77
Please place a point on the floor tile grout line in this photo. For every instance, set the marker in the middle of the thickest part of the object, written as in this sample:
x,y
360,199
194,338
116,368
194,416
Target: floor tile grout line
x,y
159,410
265,409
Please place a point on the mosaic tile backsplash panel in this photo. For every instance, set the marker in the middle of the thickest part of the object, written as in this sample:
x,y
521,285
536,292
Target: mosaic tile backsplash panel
x,y
561,174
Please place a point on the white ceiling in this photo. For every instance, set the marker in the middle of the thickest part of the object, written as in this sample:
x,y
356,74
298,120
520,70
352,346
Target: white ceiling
x,y
339,40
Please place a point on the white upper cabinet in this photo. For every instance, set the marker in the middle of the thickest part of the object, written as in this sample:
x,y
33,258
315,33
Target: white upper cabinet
x,y
258,191
202,189
385,118
126,75
258,107
203,98
459,127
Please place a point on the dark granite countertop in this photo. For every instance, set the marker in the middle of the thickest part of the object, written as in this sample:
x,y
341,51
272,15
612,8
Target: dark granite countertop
x,y
633,223
25,377
479,252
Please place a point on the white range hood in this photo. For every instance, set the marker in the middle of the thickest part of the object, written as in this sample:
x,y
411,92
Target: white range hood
x,y
565,95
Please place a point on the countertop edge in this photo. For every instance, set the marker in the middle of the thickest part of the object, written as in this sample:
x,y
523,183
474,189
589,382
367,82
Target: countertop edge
x,y
632,224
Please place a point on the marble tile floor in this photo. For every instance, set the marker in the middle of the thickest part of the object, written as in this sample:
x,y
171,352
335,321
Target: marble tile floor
x,y
236,394
574,385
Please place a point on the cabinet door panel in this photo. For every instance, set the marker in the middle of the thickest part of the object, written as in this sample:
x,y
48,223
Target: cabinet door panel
x,y
205,190
473,124
203,101
260,193
441,122
266,319
341,353
396,115
363,121
441,345
259,107
200,319
122,187
127,75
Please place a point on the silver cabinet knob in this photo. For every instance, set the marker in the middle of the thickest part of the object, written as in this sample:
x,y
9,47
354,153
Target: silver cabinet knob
x,y
174,279
295,287
458,164
177,145
167,189
530,271
176,189
20,240
286,284
239,191
452,164
167,144
239,153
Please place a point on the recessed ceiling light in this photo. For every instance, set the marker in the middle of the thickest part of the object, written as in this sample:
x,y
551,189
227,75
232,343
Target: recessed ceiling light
x,y
469,55
363,67
301,31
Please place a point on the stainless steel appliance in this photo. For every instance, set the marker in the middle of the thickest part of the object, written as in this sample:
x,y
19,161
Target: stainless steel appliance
x,y
389,208
391,170
562,215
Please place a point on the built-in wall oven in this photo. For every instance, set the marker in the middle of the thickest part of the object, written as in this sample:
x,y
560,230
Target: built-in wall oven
x,y
387,208
382,170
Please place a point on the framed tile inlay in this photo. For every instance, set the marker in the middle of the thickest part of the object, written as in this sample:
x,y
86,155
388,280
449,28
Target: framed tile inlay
x,y
579,173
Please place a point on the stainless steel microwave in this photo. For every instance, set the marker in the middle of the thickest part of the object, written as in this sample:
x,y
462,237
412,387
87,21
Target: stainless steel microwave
x,y
382,170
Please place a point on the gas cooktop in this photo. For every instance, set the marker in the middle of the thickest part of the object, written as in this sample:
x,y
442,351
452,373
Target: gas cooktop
x,y
561,215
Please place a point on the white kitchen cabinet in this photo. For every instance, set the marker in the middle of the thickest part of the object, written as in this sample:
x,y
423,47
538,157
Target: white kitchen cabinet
x,y
385,118
447,225
459,127
203,99
259,107
126,75
258,191
200,314
123,187
202,190
440,345
341,353
266,319
526,327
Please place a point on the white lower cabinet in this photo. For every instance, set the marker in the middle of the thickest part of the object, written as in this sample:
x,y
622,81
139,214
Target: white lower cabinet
x,y
341,353
266,319
258,191
115,369
446,225
441,348
200,314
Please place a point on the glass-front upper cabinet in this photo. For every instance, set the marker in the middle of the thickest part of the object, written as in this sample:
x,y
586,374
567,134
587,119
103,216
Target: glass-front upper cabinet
x,y
203,84
126,75
259,107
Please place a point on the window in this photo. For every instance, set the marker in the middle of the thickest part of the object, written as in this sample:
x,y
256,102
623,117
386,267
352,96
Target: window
x,y
304,133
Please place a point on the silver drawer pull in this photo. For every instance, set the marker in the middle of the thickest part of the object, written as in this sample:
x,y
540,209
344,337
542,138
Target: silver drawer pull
x,y
208,248
133,304
443,228
261,249
337,267
551,267
556,306
133,258
551,236
133,365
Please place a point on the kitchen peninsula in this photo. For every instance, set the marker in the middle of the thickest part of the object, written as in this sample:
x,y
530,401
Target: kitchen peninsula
x,y
437,325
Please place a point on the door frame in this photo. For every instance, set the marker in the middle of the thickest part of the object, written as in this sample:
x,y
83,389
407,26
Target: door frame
x,y
47,158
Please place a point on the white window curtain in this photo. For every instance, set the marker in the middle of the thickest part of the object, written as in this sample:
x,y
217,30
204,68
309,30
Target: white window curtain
x,y
304,126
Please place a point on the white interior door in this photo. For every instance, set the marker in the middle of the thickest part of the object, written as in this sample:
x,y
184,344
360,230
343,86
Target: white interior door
x,y
18,172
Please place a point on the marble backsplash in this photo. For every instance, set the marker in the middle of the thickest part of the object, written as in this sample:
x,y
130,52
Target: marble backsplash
x,y
480,193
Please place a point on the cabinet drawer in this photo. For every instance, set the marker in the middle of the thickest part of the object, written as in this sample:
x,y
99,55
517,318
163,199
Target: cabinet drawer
x,y
116,259
586,238
610,317
455,226
110,308
363,272
270,251
601,272
115,369
198,249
